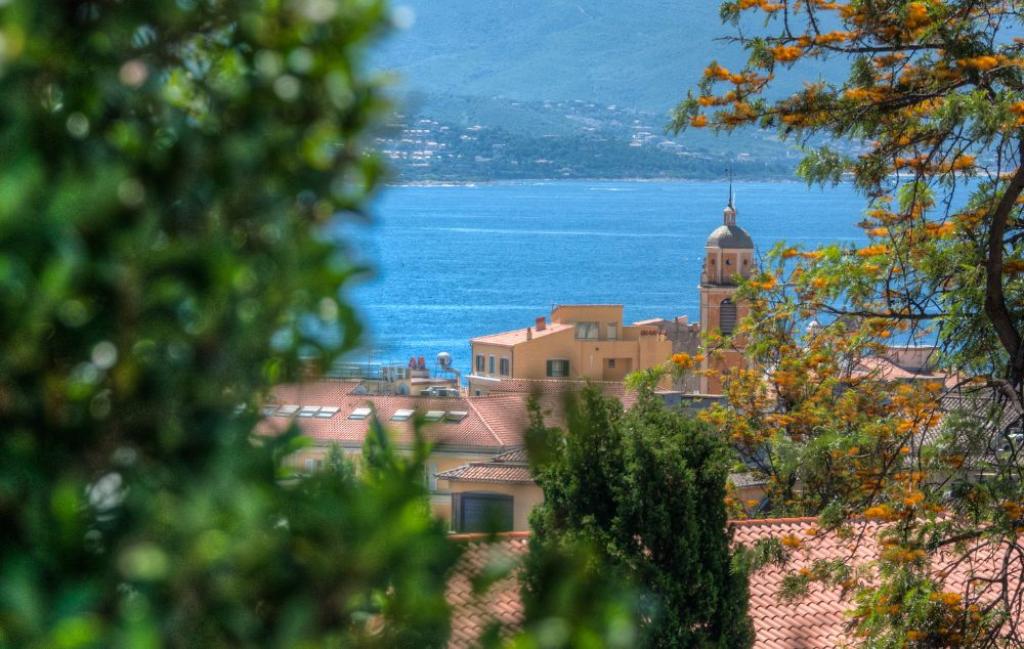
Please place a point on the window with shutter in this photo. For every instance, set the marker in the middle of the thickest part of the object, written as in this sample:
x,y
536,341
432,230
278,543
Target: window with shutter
x,y
727,316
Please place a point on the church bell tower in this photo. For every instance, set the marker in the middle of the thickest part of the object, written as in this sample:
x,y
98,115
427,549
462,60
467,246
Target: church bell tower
x,y
728,256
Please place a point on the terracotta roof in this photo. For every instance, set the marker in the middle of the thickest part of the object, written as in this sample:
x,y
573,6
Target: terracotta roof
x,y
509,467
490,424
817,620
510,338
887,370
473,612
515,456
489,472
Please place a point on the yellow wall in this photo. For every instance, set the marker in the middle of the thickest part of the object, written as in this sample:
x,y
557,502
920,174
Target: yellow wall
x,y
440,496
524,498
632,348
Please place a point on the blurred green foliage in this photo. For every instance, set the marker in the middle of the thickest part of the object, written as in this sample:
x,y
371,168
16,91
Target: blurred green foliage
x,y
631,546
165,168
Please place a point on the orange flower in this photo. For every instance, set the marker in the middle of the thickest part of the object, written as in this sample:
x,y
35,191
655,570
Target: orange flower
x,y
872,251
917,15
1013,267
698,121
786,53
946,597
979,62
683,361
879,512
913,498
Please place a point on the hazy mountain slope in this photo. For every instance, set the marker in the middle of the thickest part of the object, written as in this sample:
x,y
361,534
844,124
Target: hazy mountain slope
x,y
643,54
563,88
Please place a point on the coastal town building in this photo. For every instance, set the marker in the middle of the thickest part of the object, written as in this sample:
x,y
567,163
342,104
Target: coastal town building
x,y
582,341
476,473
592,342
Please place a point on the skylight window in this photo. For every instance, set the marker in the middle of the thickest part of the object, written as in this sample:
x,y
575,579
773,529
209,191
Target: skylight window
x,y
327,412
287,411
434,415
456,415
266,411
402,414
360,413
309,411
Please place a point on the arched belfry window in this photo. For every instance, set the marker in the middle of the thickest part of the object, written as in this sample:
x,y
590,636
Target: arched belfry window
x,y
727,316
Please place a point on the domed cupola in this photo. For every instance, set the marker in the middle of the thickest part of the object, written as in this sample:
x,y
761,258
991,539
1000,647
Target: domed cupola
x,y
729,235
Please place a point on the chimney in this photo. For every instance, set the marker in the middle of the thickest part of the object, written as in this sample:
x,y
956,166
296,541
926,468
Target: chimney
x,y
529,333
541,323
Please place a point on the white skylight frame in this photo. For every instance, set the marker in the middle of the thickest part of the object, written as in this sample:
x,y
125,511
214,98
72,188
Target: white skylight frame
x,y
455,416
403,414
360,413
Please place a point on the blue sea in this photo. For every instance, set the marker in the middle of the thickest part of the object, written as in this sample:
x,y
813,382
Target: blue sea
x,y
454,262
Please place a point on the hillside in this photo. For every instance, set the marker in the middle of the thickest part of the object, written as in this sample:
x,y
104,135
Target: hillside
x,y
514,65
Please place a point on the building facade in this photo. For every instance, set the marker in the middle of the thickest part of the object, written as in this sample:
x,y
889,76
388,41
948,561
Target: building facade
x,y
582,341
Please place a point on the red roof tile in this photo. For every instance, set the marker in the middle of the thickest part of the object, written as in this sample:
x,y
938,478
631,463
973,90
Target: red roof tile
x,y
491,424
510,467
489,472
817,620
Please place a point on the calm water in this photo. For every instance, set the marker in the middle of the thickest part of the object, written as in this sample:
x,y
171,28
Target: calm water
x,y
455,262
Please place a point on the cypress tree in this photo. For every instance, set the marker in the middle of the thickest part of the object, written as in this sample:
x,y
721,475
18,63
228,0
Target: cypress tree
x,y
644,492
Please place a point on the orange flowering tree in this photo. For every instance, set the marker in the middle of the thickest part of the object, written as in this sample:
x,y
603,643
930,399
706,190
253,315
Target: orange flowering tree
x,y
929,125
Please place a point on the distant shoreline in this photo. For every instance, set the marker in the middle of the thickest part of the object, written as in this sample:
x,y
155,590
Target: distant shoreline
x,y
524,181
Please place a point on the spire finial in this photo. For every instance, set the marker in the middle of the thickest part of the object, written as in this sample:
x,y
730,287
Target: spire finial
x,y
729,213
730,188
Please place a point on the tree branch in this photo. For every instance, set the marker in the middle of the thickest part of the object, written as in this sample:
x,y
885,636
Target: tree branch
x,y
995,299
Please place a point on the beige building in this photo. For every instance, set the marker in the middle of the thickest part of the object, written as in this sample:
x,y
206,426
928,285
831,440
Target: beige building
x,y
582,341
728,257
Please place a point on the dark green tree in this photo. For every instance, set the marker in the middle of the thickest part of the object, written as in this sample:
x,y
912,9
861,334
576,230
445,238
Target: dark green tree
x,y
167,170
644,492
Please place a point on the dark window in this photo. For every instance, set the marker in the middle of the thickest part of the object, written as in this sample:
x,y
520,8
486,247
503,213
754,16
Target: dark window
x,y
587,331
558,368
490,365
727,316
482,512
479,363
611,363
503,367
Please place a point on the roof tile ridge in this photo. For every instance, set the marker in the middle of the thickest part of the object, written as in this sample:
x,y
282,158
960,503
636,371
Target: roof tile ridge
x,y
501,333
487,425
769,521
484,536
